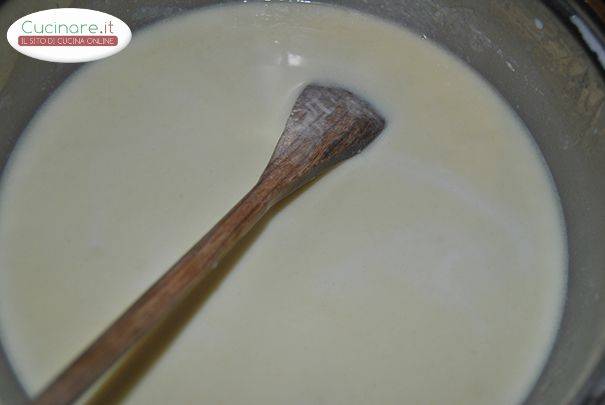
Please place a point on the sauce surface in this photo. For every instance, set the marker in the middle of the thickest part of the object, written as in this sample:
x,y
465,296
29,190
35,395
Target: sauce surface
x,y
430,269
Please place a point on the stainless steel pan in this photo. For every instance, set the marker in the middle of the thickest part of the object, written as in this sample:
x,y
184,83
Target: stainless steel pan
x,y
529,50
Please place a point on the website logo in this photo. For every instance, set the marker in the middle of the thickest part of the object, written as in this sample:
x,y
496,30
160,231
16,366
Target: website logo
x,y
69,35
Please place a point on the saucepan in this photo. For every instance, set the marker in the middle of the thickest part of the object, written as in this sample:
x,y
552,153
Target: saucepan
x,y
544,57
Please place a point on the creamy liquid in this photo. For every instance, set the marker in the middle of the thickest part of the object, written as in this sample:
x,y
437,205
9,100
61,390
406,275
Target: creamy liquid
x,y
427,270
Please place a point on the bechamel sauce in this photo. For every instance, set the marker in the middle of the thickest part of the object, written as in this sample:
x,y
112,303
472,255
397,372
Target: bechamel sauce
x,y
427,270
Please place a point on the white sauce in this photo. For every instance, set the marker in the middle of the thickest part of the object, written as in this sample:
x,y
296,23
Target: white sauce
x,y
427,270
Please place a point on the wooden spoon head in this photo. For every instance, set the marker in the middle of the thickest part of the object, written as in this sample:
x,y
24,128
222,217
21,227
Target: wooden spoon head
x,y
327,125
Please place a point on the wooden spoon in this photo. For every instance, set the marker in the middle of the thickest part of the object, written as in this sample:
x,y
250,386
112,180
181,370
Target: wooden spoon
x,y
327,125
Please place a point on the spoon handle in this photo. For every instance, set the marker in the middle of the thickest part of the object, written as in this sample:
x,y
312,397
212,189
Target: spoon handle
x,y
160,298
